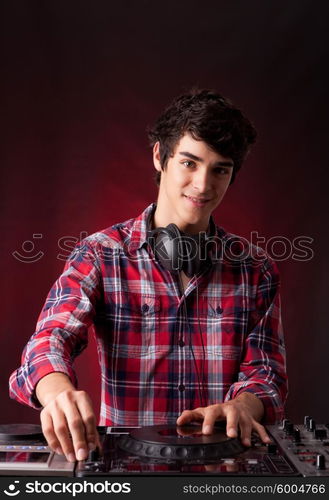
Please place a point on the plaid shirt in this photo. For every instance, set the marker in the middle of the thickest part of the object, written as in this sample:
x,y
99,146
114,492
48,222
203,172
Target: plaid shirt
x,y
156,348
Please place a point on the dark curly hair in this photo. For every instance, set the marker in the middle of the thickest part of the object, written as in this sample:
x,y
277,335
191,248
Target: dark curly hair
x,y
208,117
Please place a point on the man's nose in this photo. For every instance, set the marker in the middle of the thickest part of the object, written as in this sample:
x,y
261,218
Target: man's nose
x,y
201,181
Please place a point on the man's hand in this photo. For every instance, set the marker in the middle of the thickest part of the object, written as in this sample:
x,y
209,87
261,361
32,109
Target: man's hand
x,y
243,412
67,419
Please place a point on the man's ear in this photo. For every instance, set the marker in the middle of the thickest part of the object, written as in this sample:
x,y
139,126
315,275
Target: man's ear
x,y
156,156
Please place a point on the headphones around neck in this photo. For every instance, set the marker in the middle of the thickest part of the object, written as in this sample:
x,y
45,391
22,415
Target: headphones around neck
x,y
177,251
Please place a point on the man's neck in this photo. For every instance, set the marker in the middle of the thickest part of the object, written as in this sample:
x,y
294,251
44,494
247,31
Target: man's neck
x,y
163,218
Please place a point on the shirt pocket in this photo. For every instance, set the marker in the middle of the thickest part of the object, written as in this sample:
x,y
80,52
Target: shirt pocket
x,y
135,319
228,323
232,315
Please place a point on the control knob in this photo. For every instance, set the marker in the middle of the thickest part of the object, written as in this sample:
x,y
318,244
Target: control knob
x,y
296,435
289,428
320,433
320,462
271,448
312,425
307,422
94,455
285,422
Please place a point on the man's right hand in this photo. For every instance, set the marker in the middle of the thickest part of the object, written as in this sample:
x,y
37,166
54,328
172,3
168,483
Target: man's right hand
x,y
68,420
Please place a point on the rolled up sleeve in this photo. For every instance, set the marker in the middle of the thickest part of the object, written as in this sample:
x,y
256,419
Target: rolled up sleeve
x,y
62,327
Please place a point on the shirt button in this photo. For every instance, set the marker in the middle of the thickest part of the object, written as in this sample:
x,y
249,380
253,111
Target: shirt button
x,y
181,343
145,308
181,387
219,310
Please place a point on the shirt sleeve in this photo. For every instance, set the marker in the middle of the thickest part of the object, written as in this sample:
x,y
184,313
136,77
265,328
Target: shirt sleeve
x,y
62,327
263,365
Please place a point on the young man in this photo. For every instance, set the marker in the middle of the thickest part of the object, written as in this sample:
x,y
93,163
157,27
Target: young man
x,y
180,337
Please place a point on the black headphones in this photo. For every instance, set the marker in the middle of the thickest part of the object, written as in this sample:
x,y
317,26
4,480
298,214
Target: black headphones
x,y
177,251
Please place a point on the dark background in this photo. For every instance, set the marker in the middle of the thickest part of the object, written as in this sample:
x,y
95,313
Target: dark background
x,y
81,80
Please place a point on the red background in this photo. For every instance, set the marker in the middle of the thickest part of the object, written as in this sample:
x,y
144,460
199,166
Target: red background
x,y
81,82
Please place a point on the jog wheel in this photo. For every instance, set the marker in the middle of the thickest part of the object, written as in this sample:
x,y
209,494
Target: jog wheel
x,y
180,443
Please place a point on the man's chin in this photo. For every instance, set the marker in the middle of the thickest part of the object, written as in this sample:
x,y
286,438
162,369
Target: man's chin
x,y
194,225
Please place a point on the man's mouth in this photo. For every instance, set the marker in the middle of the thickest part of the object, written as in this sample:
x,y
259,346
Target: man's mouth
x,y
197,201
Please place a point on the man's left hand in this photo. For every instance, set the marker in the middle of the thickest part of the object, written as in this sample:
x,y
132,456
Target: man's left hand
x,y
243,412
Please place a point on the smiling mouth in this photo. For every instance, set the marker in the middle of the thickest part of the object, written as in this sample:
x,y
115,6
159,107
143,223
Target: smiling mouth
x,y
200,202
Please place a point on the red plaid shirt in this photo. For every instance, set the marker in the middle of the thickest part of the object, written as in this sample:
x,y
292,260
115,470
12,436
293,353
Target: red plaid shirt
x,y
153,361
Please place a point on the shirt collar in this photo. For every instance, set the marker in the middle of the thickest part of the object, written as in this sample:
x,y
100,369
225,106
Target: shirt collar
x,y
140,228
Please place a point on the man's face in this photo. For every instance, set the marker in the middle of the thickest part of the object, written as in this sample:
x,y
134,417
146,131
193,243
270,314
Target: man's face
x,y
192,185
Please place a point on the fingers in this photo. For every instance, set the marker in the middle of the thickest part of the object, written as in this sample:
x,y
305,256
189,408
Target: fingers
x,y
246,428
232,420
190,416
69,425
211,414
262,432
76,427
62,433
238,418
245,431
88,417
49,432
208,415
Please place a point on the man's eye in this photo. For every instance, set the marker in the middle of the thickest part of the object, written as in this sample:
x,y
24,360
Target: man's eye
x,y
188,163
221,170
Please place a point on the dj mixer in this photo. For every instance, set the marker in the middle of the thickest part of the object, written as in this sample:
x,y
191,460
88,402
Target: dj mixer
x,y
295,450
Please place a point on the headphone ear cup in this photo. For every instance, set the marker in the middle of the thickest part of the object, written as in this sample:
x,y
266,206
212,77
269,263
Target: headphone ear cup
x,y
167,245
173,231
176,251
191,252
